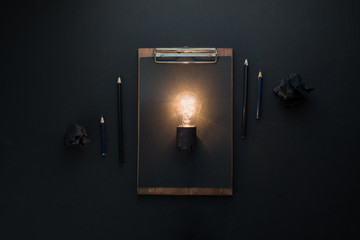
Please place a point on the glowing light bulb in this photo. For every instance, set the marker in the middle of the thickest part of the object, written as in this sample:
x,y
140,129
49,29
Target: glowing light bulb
x,y
187,107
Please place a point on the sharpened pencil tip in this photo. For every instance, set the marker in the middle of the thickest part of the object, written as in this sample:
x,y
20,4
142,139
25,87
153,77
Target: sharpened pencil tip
x,y
260,74
119,80
246,63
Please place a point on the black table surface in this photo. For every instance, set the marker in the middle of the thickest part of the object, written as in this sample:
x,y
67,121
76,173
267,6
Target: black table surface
x,y
295,176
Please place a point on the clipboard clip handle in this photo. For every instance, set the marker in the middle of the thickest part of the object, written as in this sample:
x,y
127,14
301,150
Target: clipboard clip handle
x,y
185,55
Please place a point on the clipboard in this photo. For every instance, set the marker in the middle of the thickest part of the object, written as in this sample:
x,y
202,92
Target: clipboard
x,y
161,168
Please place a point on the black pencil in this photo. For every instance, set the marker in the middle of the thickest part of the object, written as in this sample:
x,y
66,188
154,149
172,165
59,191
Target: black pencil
x,y
120,125
243,126
258,109
102,135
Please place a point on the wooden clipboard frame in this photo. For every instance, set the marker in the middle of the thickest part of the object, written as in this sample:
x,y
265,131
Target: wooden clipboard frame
x,y
149,52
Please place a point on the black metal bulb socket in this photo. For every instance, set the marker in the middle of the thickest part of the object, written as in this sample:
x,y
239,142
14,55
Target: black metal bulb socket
x,y
185,138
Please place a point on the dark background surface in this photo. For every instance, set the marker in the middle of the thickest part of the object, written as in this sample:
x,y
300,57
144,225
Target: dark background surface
x,y
160,163
296,175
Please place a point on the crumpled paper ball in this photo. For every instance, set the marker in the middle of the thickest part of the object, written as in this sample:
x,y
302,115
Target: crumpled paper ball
x,y
76,136
292,90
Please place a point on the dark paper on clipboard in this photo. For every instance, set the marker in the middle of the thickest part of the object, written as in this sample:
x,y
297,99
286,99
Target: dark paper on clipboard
x,y
161,168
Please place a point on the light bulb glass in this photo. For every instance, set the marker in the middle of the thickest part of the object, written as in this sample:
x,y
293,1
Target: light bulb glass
x,y
187,107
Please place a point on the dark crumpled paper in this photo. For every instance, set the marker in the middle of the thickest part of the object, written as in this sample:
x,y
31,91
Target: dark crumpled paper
x,y
291,90
76,136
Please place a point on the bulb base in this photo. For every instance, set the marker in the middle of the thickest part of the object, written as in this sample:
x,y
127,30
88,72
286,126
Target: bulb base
x,y
185,138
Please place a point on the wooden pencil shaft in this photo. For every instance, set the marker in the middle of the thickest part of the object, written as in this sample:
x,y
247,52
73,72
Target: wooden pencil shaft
x,y
102,137
258,109
120,124
243,126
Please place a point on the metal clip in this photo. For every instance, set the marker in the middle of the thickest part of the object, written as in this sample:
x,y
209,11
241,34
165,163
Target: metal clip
x,y
185,55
